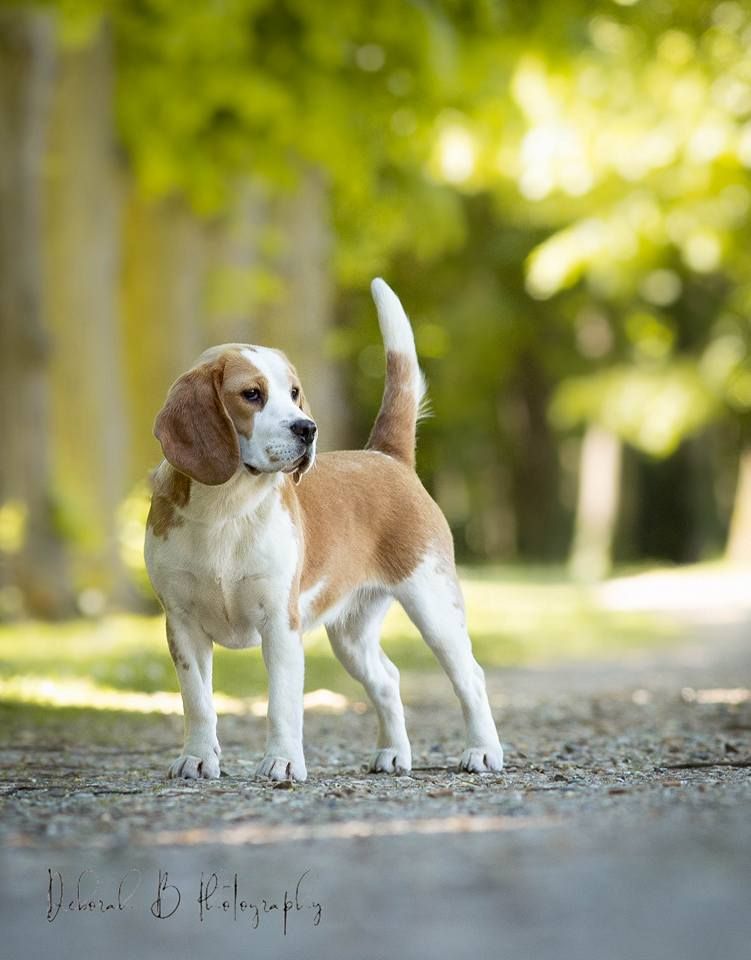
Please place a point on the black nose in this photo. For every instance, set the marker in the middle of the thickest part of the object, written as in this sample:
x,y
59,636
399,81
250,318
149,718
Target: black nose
x,y
304,429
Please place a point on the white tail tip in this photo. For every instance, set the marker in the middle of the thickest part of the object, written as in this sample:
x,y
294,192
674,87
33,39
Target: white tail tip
x,y
382,293
395,326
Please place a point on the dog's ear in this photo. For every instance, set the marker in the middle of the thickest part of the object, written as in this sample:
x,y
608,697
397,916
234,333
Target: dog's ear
x,y
195,431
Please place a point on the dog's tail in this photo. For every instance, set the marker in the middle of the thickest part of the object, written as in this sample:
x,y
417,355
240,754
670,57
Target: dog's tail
x,y
404,392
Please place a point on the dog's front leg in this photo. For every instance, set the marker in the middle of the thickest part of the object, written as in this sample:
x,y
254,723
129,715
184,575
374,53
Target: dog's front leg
x,y
192,654
285,662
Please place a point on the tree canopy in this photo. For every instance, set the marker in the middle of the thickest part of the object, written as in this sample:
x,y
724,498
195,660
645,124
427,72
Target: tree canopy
x,y
560,192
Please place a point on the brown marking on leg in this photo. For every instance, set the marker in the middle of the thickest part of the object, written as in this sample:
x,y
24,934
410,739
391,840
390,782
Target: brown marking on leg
x,y
294,609
177,658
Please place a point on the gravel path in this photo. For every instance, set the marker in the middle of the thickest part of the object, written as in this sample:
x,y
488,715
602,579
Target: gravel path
x,y
620,826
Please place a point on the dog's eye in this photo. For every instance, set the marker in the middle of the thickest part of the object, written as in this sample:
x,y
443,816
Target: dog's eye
x,y
252,396
295,393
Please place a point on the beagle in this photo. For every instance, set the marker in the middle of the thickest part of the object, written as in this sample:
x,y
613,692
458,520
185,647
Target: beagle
x,y
253,539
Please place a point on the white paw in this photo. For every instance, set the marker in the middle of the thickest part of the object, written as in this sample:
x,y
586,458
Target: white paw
x,y
392,760
482,759
189,767
280,768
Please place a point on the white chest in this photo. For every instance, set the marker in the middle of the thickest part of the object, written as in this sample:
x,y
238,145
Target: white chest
x,y
226,580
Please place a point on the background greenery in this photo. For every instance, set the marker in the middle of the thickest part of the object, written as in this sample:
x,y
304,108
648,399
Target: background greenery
x,y
120,664
560,193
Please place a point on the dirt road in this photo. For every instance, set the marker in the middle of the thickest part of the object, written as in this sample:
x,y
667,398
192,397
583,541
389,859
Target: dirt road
x,y
620,828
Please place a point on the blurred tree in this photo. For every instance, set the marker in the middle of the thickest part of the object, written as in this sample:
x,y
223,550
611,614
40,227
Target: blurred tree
x,y
622,133
286,130
40,569
560,193
83,246
301,316
656,172
272,281
739,538
597,504
163,300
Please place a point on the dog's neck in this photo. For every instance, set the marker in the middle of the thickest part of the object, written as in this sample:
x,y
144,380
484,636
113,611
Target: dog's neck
x,y
243,496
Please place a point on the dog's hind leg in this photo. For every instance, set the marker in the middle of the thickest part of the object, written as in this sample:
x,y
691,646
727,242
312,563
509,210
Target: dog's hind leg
x,y
433,601
355,639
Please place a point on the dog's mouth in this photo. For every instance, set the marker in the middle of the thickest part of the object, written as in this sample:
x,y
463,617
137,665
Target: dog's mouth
x,y
301,463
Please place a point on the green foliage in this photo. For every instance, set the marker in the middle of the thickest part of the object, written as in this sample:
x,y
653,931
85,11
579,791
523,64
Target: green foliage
x,y
652,408
561,194
211,93
616,137
622,133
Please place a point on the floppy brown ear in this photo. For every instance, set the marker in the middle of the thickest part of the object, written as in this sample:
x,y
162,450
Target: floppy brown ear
x,y
194,428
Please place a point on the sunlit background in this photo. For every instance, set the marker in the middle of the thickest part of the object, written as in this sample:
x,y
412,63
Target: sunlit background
x,y
560,192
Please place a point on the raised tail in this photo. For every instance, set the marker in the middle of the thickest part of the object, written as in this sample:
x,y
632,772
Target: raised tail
x,y
394,429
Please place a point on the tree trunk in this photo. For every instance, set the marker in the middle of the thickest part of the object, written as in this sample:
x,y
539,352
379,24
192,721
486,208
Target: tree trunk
x,y
26,66
534,467
163,301
83,278
240,279
275,287
665,520
739,538
597,505
301,320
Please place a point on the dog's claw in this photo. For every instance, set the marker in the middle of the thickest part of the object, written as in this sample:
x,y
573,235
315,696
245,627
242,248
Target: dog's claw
x,y
280,768
392,760
481,760
189,767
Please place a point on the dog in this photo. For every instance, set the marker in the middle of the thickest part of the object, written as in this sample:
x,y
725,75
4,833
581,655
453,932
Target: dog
x,y
254,539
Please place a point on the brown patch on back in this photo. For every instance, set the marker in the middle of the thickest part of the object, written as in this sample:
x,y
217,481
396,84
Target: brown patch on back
x,y
366,518
171,490
394,429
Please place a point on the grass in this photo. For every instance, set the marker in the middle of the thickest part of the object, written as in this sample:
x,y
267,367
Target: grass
x,y
515,617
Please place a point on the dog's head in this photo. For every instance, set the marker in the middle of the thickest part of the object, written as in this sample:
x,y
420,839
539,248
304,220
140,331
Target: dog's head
x,y
240,408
